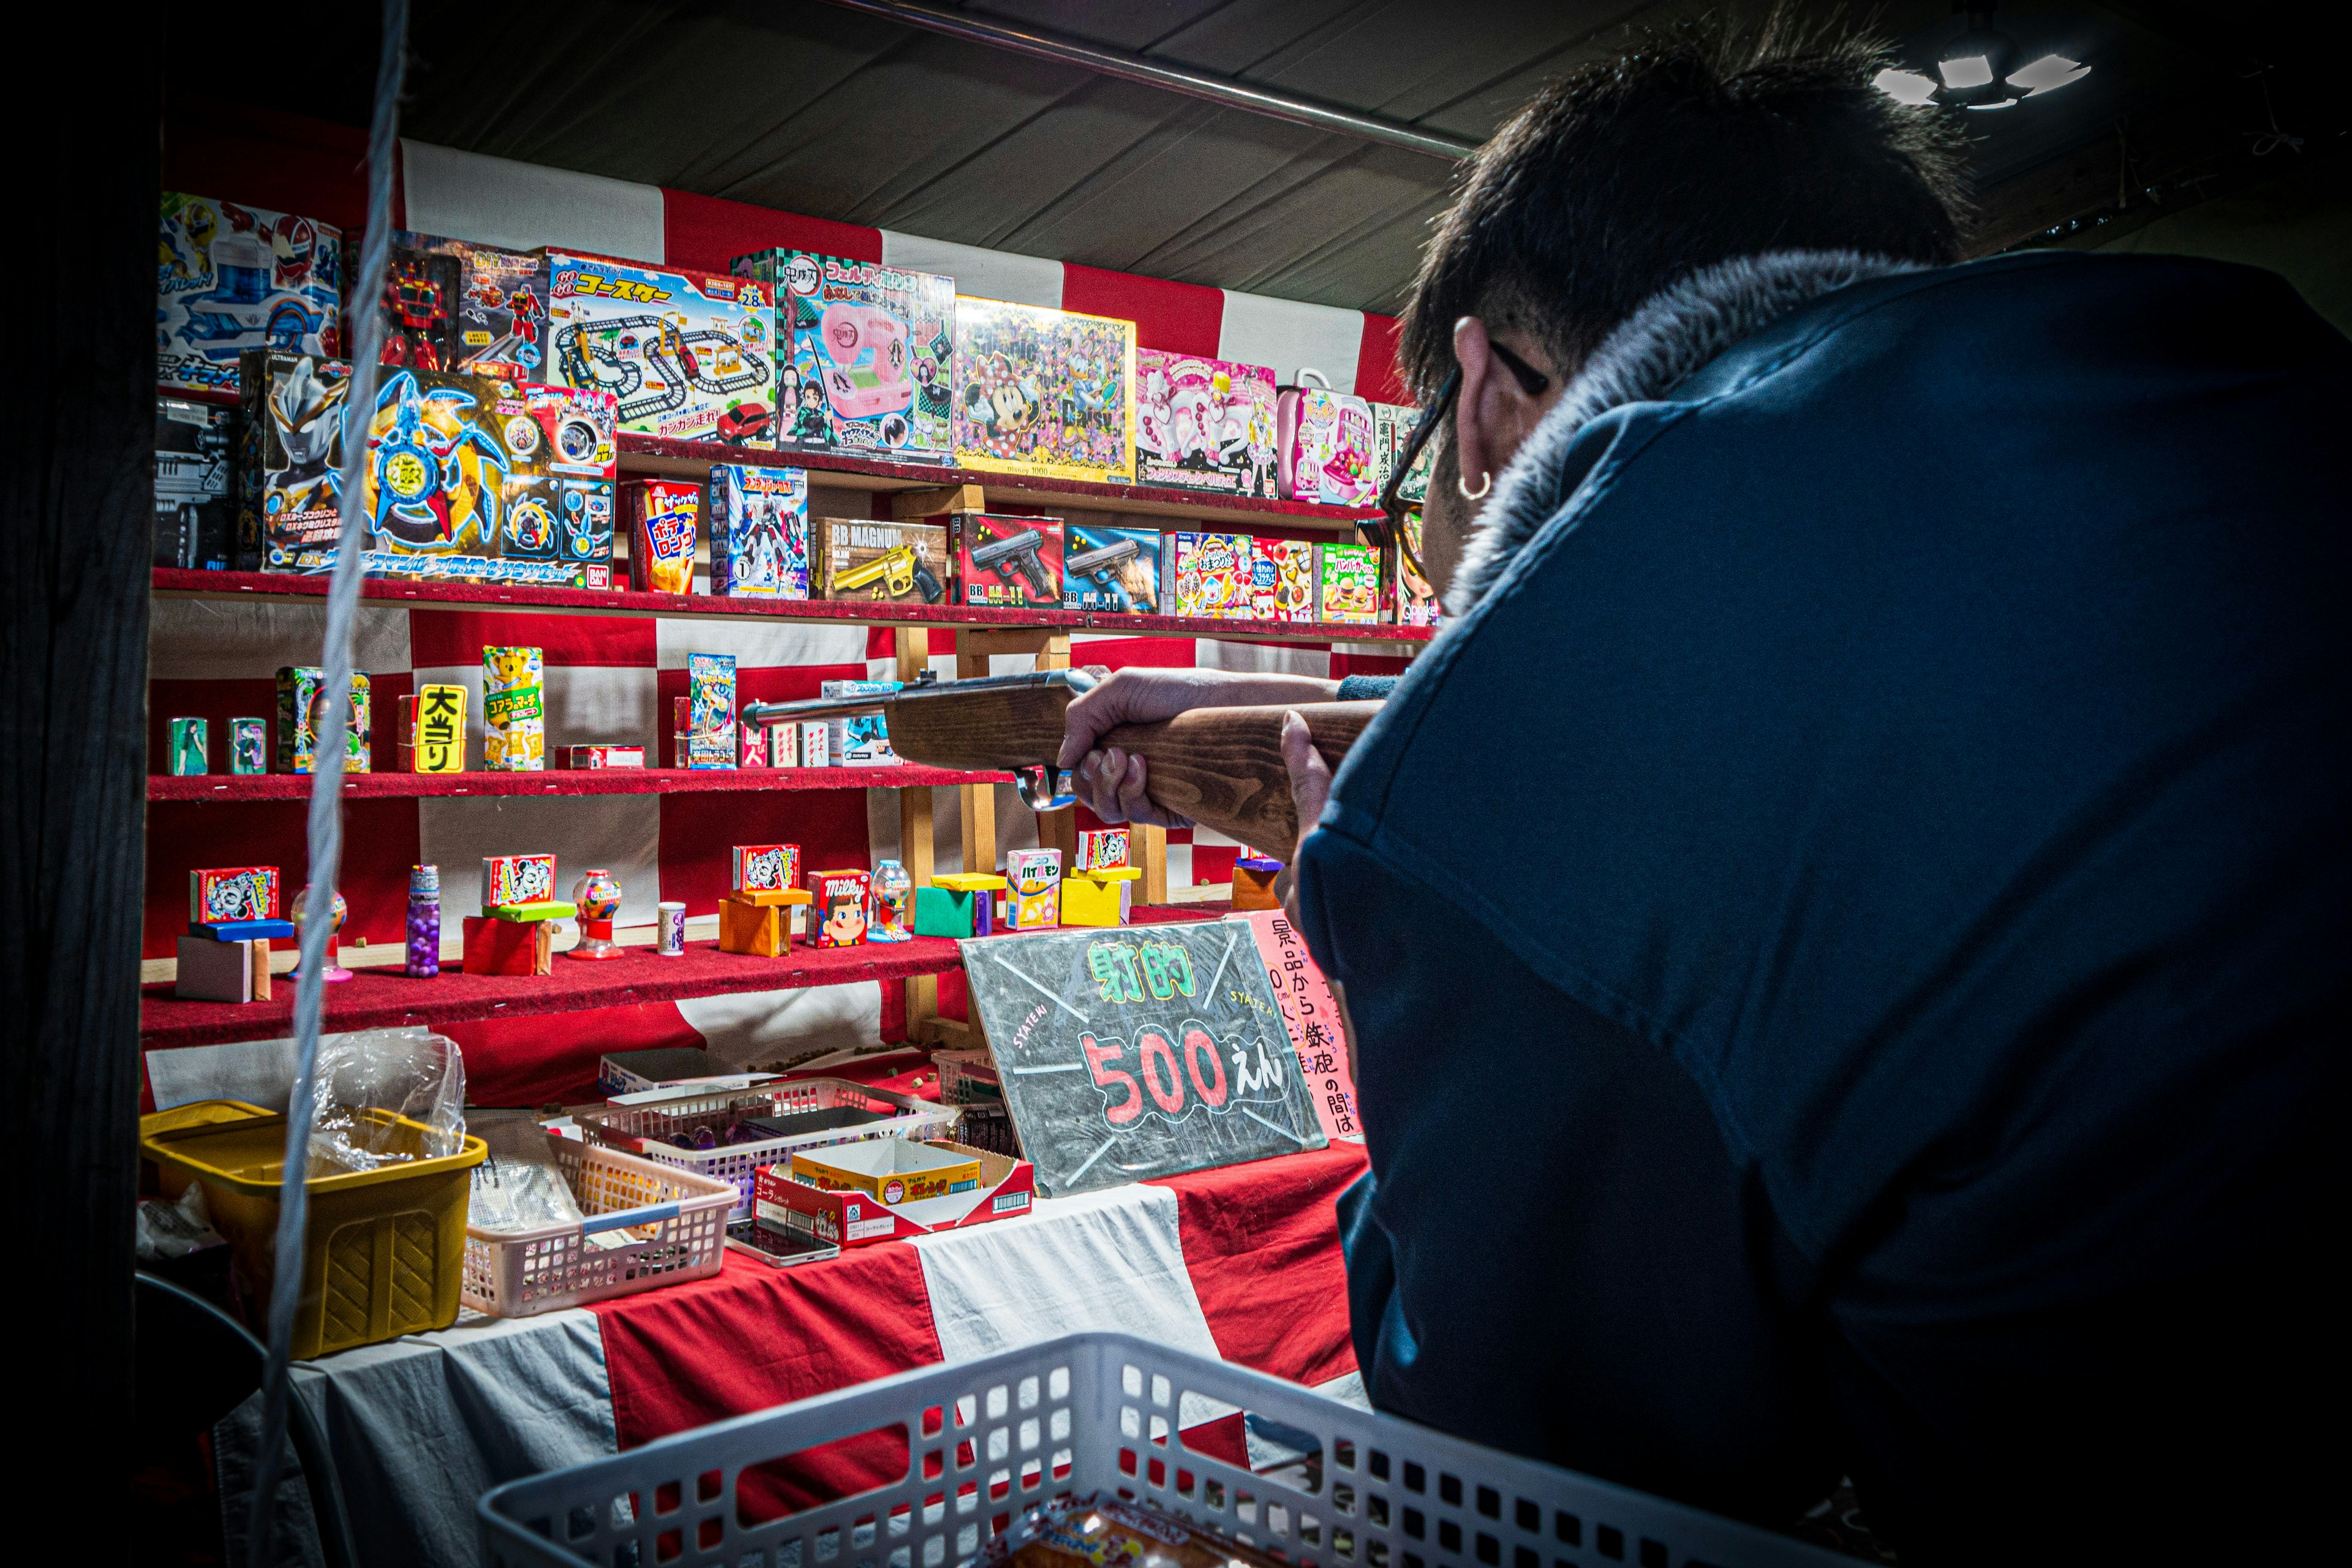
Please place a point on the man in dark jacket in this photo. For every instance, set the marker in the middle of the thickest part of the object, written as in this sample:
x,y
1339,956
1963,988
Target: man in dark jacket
x,y
1846,929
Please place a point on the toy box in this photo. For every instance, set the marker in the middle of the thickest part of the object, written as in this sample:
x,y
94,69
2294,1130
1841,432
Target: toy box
x,y
1206,576
1325,441
514,710
893,1170
290,436
757,520
1392,428
608,756
471,308
865,356
1035,899
1282,580
765,868
230,279
885,562
1005,561
837,911
1005,1187
1416,601
688,355
708,740
1114,568
1102,849
662,516
302,708
1348,584
1043,391
512,880
195,505
232,893
861,741
1203,424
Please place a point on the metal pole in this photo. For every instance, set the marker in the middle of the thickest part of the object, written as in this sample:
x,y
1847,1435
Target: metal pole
x,y
1136,68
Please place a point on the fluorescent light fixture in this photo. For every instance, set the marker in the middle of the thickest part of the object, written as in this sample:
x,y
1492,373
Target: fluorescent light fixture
x,y
1905,87
1969,70
2003,103
2047,74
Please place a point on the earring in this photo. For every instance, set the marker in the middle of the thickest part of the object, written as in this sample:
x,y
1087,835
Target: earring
x,y
1485,483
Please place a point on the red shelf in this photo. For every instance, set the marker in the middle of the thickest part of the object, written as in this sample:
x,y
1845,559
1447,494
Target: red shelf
x,y
221,788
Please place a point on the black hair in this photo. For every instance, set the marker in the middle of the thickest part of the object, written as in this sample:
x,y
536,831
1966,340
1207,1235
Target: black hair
x,y
1707,143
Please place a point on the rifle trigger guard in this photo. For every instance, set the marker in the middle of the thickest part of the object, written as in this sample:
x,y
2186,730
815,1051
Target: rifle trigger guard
x,y
1045,788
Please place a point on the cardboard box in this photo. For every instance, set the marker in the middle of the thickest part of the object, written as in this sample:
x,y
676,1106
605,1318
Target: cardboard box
x,y
195,499
894,1170
212,971
748,926
1416,601
1034,900
883,562
1392,428
290,441
1203,424
1104,897
1113,569
517,879
757,521
837,915
1043,391
1005,561
1007,1186
1282,580
514,710
608,756
232,893
508,947
302,708
232,277
662,517
865,356
770,867
1208,575
1348,584
689,355
482,309
862,740
1103,849
433,730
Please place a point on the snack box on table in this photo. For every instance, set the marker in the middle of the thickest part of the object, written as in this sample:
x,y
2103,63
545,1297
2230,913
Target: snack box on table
x,y
689,355
1006,1185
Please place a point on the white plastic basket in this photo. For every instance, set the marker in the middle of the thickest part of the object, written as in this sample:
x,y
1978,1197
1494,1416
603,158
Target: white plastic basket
x,y
986,1439
680,1218
642,1130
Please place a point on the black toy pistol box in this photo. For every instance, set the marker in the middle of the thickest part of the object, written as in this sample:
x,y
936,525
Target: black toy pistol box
x,y
195,504
1005,562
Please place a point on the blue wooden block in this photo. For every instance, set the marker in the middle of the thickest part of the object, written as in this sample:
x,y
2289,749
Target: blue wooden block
x,y
244,930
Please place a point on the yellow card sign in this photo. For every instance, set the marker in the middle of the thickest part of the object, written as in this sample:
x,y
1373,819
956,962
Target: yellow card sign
x,y
440,741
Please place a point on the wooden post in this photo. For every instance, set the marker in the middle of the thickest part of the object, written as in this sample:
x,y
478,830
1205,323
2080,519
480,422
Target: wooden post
x,y
917,843
931,504
1152,854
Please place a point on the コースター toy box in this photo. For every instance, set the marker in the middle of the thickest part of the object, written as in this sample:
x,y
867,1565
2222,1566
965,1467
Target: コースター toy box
x,y
483,309
232,277
1203,424
1043,391
865,356
687,355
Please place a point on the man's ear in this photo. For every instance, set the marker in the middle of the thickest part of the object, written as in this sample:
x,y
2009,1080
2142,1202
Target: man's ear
x,y
1475,426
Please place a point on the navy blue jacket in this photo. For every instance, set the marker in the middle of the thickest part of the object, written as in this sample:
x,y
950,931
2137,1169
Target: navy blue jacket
x,y
1848,938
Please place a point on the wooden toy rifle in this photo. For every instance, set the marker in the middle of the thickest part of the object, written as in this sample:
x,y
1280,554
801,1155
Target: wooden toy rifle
x,y
1220,767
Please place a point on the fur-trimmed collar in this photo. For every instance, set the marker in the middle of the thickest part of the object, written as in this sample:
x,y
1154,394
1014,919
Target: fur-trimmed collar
x,y
1660,345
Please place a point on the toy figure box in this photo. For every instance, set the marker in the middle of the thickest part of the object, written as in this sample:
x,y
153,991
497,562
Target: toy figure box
x,y
1392,428
662,516
1282,580
689,356
1416,601
1005,561
1348,584
195,505
1203,424
1324,440
1207,575
1114,568
290,438
757,521
302,709
1043,391
450,305
864,356
1006,1185
837,907
230,279
765,868
884,562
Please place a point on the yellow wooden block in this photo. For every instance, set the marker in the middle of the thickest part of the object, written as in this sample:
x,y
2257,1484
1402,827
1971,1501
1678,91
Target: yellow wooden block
x,y
770,897
971,882
1089,900
756,929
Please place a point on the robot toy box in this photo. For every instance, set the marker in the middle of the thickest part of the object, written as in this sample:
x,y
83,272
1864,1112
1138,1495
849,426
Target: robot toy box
x,y
302,711
864,356
1006,561
230,279
1203,424
195,506
1043,391
863,740
1208,575
1282,580
1324,440
290,438
663,515
688,355
1348,584
884,562
1392,428
1114,568
455,306
758,523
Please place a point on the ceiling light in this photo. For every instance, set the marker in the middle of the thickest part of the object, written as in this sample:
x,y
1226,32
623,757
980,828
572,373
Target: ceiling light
x,y
1969,70
2000,104
2047,75
1905,87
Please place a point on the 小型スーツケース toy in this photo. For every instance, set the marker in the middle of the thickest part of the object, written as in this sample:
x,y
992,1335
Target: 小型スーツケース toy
x,y
757,521
865,356
687,355
302,713
232,277
1208,575
514,710
1043,391
475,308
1203,424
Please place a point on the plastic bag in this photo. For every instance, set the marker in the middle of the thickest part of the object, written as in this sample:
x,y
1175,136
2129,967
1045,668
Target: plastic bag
x,y
519,1186
411,1073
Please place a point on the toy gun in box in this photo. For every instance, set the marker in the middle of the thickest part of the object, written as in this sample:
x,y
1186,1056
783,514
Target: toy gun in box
x,y
1101,567
1220,767
1016,551
899,570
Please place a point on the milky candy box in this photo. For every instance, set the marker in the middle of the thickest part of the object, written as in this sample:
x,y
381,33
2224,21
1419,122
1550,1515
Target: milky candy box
x,y
302,708
1282,580
766,868
514,711
1206,576
517,879
837,907
232,893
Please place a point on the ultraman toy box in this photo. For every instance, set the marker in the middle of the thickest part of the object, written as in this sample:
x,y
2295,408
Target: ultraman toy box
x,y
292,439
1324,439
864,356
688,356
1114,568
230,279
474,308
1207,575
1282,580
757,520
1203,424
892,562
1043,391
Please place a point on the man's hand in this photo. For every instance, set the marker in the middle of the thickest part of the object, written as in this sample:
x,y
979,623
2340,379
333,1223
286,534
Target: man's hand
x,y
1310,787
1112,783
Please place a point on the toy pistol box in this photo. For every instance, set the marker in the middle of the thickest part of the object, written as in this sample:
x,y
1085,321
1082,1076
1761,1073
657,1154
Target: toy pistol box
x,y
688,356
1348,584
663,516
883,562
1005,561
1392,428
864,356
1114,568
1043,391
452,305
1282,580
757,522
837,911
302,711
292,439
195,504
1207,575
232,277
1203,424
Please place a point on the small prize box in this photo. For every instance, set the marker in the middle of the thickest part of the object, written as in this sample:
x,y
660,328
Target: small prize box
x,y
434,729
196,490
514,710
191,746
757,522
1035,893
218,896
1348,584
689,355
515,879
1203,424
1006,561
865,356
302,709
894,1170
815,743
837,918
766,868
1282,580
1416,601
662,516
249,746
1208,575
1102,849
1005,1186
1113,569
881,563
608,756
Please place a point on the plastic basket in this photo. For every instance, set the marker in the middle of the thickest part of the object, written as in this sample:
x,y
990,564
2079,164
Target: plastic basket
x,y
384,1249
642,1130
968,1081
984,1440
679,1218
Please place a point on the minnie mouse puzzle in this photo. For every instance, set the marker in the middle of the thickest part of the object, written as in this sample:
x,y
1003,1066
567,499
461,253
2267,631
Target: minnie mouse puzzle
x,y
1043,391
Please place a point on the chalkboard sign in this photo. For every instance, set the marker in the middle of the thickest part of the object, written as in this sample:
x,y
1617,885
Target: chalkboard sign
x,y
1136,1051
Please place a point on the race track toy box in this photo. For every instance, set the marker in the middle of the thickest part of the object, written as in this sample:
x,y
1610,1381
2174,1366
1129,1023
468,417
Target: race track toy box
x,y
232,277
757,521
291,434
195,505
1114,568
883,562
1005,561
865,356
1043,391
1282,580
1203,424
475,308
1207,575
687,355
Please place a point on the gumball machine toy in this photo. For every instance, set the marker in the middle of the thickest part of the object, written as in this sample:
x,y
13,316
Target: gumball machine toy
x,y
598,899
342,912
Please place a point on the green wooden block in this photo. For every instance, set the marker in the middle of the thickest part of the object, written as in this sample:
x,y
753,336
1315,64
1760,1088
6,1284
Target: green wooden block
x,y
546,909
942,911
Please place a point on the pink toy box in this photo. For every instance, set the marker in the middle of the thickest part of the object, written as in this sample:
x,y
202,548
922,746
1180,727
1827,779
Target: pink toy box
x,y
1203,424
865,356
1325,439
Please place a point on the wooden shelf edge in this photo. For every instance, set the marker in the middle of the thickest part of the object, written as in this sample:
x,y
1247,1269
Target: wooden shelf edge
x,y
227,789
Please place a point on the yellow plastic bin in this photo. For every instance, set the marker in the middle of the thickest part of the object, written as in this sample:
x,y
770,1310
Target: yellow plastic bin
x,y
196,1112
385,1253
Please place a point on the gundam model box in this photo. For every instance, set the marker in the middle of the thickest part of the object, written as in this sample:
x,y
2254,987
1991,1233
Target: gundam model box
x,y
231,279
1203,424
864,356
1043,391
687,356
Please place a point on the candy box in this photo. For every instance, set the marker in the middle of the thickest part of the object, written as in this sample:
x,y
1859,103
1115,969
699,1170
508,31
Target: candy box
x,y
1282,580
1348,584
847,1215
865,356
608,756
487,313
1036,895
757,520
302,708
1203,424
514,710
766,868
1325,441
1101,850
290,434
662,516
1005,561
884,562
232,893
1114,568
1043,391
892,1170
689,355
508,881
838,912
1208,575
710,693
230,279
195,503
1392,428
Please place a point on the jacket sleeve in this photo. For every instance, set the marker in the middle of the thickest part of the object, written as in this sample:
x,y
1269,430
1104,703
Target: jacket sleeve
x,y
1363,687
